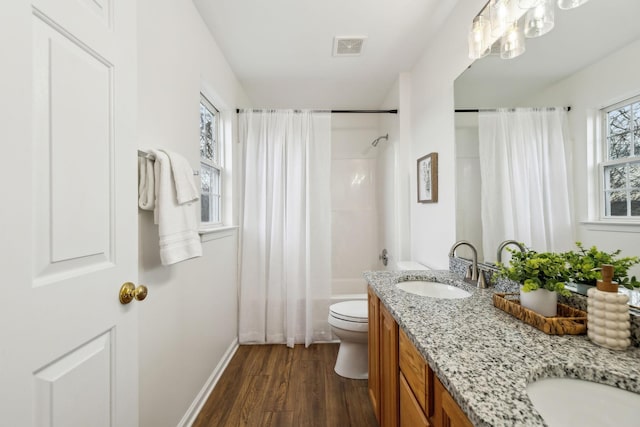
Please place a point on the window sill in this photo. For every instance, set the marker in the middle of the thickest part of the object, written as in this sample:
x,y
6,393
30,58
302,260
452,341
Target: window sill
x,y
214,233
631,226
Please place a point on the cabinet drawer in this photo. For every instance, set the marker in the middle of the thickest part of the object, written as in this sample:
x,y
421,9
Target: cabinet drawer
x,y
411,414
414,368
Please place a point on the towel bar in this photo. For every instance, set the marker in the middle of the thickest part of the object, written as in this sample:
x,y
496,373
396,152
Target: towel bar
x,y
149,156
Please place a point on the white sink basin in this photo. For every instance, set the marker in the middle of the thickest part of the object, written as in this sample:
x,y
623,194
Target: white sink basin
x,y
433,289
569,402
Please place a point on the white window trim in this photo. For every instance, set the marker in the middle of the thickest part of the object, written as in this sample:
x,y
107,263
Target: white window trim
x,y
220,232
609,223
227,128
204,226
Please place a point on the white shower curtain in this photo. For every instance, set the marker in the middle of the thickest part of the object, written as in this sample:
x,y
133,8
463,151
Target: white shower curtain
x,y
285,268
525,178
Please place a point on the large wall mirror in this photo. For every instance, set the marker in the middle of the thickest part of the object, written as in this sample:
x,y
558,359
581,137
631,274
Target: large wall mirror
x,y
589,60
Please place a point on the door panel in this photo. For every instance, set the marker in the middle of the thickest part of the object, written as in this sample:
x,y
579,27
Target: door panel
x,y
72,215
89,368
68,348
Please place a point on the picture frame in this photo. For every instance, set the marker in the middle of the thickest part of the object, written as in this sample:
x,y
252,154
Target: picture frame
x,y
427,169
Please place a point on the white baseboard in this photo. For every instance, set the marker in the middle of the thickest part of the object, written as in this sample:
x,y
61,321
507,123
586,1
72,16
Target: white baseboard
x,y
195,408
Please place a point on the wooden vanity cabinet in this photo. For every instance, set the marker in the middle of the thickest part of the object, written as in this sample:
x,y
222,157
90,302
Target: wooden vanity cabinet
x,y
374,352
448,413
423,399
383,363
389,371
411,413
416,372
402,387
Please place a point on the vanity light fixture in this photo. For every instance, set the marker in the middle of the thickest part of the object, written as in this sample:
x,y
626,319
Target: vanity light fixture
x,y
501,20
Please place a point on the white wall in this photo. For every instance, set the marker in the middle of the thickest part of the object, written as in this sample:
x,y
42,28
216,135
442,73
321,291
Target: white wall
x,y
393,189
189,320
354,213
468,200
433,226
606,82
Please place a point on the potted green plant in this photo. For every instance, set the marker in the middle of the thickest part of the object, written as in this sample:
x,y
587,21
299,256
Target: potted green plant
x,y
584,267
542,275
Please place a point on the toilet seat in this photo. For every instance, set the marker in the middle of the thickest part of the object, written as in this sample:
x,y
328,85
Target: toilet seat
x,y
350,311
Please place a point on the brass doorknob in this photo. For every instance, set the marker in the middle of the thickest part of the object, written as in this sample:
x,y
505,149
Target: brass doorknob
x,y
128,292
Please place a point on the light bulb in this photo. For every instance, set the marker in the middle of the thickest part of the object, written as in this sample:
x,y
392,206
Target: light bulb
x,y
479,38
512,42
502,13
539,20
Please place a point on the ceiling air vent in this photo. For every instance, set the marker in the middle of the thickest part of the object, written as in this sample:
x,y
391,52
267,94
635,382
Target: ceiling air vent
x,y
348,46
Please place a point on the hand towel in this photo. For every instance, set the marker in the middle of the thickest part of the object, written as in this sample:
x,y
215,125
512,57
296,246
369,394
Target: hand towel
x,y
186,189
177,223
146,186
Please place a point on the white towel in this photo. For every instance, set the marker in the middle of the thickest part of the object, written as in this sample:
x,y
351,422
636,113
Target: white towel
x,y
146,186
186,189
177,222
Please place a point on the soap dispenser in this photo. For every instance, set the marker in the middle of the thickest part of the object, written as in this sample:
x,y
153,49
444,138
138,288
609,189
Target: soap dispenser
x,y
608,320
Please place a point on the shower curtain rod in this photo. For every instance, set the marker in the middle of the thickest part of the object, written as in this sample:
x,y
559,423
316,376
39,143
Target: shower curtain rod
x,y
238,110
493,110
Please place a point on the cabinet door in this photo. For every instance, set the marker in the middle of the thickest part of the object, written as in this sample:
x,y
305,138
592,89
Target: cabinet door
x,y
374,352
411,414
447,413
388,369
452,415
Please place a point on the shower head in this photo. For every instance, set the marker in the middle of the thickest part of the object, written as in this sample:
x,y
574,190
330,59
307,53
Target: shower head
x,y
375,141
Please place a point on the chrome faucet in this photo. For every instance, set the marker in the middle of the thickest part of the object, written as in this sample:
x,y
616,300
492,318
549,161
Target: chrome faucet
x,y
505,244
473,275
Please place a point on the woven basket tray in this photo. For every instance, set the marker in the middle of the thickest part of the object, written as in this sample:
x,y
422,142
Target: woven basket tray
x,y
569,320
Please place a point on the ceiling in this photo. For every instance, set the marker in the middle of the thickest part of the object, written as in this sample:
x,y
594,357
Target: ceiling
x,y
581,37
281,50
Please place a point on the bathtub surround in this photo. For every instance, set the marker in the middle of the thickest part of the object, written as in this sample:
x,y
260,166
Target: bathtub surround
x,y
354,208
286,231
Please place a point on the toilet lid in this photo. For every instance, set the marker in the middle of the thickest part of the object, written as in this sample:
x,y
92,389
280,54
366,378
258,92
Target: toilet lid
x,y
351,311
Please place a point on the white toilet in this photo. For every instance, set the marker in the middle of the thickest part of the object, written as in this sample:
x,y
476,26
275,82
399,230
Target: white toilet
x,y
350,322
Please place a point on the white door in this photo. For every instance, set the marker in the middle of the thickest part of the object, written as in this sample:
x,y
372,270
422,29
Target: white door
x,y
68,350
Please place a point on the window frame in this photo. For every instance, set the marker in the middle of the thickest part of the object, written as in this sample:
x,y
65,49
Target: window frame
x,y
604,163
219,165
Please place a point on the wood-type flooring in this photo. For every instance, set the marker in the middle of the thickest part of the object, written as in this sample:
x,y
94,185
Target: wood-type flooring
x,y
273,385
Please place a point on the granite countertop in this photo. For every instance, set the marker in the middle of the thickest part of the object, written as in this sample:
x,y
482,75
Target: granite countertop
x,y
486,357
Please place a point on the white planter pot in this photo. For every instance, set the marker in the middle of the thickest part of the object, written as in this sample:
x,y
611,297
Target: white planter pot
x,y
541,301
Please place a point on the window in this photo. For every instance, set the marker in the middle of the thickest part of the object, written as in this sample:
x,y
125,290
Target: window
x,y
621,167
210,164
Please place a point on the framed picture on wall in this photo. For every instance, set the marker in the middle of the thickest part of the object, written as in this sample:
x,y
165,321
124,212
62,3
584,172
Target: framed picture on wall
x,y
428,178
